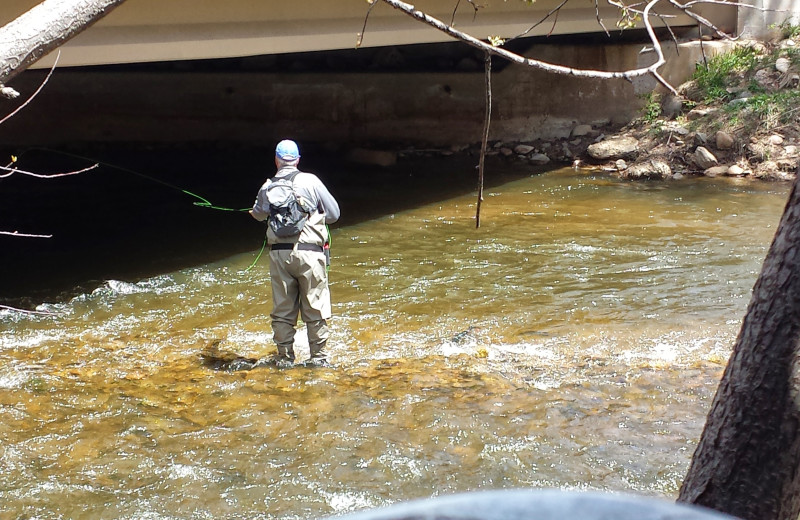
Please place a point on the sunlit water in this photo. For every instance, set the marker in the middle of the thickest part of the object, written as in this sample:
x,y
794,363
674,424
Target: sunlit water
x,y
573,341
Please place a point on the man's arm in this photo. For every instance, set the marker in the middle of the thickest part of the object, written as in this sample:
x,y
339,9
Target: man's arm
x,y
313,189
328,204
260,209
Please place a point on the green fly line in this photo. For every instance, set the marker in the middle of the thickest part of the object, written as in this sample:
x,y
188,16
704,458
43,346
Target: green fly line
x,y
258,257
200,202
264,246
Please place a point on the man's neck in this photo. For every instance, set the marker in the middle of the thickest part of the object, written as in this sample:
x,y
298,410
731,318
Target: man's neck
x,y
287,169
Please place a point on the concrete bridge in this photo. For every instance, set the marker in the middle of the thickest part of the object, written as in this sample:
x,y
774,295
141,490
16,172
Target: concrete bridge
x,y
264,83
169,30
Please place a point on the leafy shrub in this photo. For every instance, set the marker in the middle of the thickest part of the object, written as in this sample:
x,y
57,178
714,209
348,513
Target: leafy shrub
x,y
714,78
788,29
652,107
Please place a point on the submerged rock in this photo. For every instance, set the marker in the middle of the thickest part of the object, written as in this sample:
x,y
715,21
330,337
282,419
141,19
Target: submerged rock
x,y
539,158
716,171
736,171
372,157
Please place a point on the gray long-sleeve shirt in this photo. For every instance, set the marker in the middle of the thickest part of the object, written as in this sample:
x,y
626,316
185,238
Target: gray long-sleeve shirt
x,y
308,186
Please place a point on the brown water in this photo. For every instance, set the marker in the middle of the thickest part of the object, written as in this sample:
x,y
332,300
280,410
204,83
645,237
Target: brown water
x,y
574,341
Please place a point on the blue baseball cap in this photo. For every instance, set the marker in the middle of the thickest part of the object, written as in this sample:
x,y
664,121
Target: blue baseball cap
x,y
287,150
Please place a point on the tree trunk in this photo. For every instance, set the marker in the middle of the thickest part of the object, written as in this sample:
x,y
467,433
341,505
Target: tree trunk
x,y
44,28
748,458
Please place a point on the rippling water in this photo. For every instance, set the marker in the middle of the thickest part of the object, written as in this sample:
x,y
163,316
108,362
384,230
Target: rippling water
x,y
573,341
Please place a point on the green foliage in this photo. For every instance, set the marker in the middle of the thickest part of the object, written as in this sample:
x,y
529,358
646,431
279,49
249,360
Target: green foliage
x,y
628,19
768,110
788,29
714,79
652,107
754,87
776,108
793,54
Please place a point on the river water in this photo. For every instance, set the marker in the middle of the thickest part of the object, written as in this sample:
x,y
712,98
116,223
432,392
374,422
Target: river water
x,y
574,341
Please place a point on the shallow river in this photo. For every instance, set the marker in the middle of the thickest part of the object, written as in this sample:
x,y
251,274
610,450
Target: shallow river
x,y
573,341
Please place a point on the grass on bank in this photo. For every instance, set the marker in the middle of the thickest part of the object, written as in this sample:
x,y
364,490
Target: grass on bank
x,y
741,92
721,81
714,79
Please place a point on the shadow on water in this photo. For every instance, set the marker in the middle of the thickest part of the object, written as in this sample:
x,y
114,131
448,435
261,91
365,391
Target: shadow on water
x,y
130,218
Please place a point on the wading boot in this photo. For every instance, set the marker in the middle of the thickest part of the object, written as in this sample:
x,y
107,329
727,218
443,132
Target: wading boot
x,y
318,357
284,363
284,358
320,362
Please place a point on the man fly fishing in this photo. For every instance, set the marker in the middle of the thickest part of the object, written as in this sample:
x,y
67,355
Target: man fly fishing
x,y
298,207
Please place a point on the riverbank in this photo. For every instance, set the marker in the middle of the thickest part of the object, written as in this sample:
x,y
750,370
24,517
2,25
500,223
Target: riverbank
x,y
736,117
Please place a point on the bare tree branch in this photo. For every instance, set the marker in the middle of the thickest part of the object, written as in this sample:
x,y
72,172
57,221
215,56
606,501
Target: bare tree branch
x,y
730,4
14,309
553,11
44,28
665,83
626,8
702,47
597,16
46,79
701,19
23,235
474,11
485,139
545,66
360,37
12,171
671,34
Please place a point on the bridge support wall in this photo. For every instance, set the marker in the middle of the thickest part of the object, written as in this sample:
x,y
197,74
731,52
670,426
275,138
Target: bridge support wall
x,y
411,108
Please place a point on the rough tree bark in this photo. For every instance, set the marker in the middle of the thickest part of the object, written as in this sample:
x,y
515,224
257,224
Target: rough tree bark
x,y
748,458
44,28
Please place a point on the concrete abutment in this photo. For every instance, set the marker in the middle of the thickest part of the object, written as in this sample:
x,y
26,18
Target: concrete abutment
x,y
409,108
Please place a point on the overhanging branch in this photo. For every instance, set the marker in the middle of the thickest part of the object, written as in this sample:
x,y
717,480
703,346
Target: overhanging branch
x,y
410,10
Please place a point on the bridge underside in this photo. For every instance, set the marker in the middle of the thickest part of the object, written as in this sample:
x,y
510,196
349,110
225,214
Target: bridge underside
x,y
159,30
250,71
